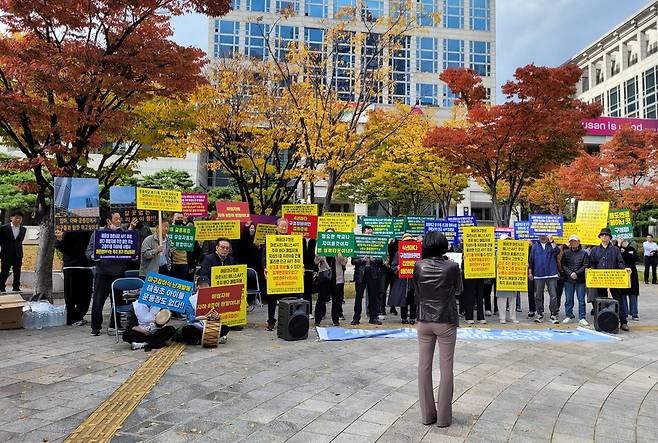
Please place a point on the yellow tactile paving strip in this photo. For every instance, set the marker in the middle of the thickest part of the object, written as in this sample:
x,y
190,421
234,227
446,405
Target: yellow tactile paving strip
x,y
108,418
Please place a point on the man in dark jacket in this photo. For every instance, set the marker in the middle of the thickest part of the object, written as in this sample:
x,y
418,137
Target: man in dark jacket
x,y
543,270
574,262
11,241
221,257
608,256
107,270
78,275
368,272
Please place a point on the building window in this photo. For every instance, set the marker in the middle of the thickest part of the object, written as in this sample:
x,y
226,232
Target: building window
x,y
630,89
449,97
314,40
482,213
427,54
427,94
372,62
427,10
258,5
453,14
480,15
401,72
599,73
344,66
614,66
285,36
255,46
227,38
373,10
481,58
613,102
584,80
632,58
652,47
287,5
649,87
344,8
316,8
453,54
235,5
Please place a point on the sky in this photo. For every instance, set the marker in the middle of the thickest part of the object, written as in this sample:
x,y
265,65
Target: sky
x,y
543,32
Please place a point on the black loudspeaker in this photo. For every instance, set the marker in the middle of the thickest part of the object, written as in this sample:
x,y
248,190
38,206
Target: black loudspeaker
x,y
606,315
293,319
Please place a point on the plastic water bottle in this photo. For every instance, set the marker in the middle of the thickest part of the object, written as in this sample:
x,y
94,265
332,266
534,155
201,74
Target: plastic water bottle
x,y
39,320
28,322
62,316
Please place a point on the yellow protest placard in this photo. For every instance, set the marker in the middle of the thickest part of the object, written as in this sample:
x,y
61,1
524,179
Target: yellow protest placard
x,y
479,252
300,208
214,229
338,221
608,278
512,266
284,264
262,231
592,217
568,229
228,276
159,200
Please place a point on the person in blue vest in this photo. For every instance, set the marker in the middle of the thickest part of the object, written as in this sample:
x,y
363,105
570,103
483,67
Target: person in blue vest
x,y
543,270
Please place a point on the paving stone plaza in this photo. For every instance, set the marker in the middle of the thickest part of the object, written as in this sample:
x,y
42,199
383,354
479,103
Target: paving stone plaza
x,y
260,388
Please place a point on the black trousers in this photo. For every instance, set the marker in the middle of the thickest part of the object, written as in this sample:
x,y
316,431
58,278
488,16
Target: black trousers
x,y
5,268
650,263
617,295
409,311
156,340
78,286
308,289
473,297
487,289
180,271
102,290
532,307
372,281
337,302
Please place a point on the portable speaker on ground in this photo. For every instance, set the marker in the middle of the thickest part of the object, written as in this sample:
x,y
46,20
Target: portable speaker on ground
x,y
293,319
606,315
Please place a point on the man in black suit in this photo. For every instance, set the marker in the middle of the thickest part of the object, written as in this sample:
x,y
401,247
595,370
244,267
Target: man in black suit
x,y
11,241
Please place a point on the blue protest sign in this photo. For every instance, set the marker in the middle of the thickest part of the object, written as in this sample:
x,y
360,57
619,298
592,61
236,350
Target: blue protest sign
x,y
546,224
522,230
463,220
166,292
449,229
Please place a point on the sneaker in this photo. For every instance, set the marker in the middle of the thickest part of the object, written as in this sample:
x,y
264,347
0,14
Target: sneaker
x,y
355,322
539,319
223,340
311,317
583,323
531,314
566,320
635,318
412,322
624,327
136,346
470,322
393,311
81,323
518,310
111,331
95,332
404,321
381,317
316,324
487,313
516,322
375,321
341,318
483,322
270,325
502,322
336,324
554,320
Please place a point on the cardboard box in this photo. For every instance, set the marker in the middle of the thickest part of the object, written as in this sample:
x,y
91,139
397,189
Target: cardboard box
x,y
11,311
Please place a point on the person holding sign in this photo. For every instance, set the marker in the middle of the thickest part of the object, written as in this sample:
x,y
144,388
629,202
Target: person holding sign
x,y
183,262
574,262
543,270
272,300
437,281
192,332
630,295
221,257
146,327
368,274
608,256
78,275
107,270
506,298
402,289
156,256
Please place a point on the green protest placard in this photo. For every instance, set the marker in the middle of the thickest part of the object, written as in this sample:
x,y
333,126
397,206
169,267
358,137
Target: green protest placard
x,y
375,246
380,225
398,227
332,243
182,237
620,223
415,224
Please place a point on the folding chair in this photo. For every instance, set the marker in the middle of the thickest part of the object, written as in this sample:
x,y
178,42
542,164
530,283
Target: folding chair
x,y
253,288
127,289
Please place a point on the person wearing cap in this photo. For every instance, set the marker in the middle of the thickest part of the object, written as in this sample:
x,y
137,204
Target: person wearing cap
x,y
145,327
543,270
506,298
574,262
608,256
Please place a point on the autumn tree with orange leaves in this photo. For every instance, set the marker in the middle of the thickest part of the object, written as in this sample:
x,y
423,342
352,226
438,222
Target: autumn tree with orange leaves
x,y
71,74
536,130
625,172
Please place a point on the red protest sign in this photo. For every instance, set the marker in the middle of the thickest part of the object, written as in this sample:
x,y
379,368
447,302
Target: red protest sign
x,y
303,224
233,211
194,205
409,252
221,299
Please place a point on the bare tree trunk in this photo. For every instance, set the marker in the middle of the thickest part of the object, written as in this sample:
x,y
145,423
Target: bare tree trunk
x,y
331,185
43,278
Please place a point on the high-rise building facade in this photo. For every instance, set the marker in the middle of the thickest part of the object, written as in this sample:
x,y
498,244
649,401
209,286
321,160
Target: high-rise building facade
x,y
620,69
463,36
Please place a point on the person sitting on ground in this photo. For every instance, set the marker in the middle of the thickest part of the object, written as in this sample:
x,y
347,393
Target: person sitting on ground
x,y
192,332
145,327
